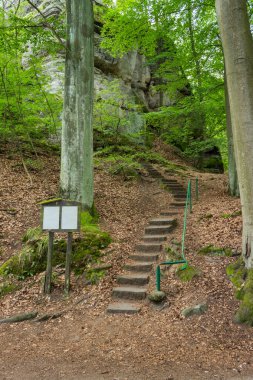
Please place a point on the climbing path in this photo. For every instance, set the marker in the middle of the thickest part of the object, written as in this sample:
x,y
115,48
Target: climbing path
x,y
132,284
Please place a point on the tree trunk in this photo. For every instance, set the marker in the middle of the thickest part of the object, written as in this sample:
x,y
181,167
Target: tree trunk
x,y
232,172
77,136
238,51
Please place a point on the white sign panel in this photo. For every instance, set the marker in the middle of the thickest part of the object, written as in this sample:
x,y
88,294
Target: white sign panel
x,y
69,218
51,218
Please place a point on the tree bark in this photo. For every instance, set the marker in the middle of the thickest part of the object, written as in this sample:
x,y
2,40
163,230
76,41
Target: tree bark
x,y
77,136
238,51
232,171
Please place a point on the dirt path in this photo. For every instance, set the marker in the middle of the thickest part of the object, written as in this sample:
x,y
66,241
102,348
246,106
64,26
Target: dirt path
x,y
86,343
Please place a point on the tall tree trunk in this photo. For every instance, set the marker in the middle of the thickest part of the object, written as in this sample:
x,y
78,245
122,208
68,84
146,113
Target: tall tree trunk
x,y
77,136
238,51
232,171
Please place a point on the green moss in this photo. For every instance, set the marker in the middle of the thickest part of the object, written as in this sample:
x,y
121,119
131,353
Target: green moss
x,y
245,311
233,215
188,273
157,296
237,274
215,251
242,280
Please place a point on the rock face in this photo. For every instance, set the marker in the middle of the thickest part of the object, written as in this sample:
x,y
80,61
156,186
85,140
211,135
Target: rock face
x,y
131,71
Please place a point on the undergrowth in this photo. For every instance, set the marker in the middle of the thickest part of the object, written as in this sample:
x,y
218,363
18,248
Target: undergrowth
x,y
127,160
86,250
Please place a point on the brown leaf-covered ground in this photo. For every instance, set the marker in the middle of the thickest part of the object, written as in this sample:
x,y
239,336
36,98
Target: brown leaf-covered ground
x,y
86,343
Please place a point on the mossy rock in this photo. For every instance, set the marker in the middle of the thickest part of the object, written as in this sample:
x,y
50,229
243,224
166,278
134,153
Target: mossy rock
x,y
245,311
188,273
242,279
33,256
157,296
195,310
237,274
211,250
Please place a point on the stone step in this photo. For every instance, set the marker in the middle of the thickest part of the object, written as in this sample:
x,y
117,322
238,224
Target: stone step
x,y
139,266
123,307
148,247
177,204
158,230
146,257
129,292
154,238
176,188
172,184
162,221
133,279
168,213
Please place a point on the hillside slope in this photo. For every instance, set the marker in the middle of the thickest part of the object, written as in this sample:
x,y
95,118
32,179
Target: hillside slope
x,y
158,343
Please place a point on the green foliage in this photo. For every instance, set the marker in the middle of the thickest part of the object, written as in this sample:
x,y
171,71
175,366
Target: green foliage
x,y
127,160
26,104
181,44
187,274
7,287
114,113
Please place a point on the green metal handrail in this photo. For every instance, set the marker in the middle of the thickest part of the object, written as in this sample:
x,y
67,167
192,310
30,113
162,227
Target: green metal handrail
x,y
188,204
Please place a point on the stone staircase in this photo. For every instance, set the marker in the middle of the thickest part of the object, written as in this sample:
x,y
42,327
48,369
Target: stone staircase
x,y
132,284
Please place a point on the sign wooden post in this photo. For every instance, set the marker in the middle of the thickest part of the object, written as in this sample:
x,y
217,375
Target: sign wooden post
x,y
68,262
48,276
59,216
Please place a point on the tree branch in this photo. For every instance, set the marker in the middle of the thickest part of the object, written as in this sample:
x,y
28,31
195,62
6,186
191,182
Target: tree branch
x,y
46,24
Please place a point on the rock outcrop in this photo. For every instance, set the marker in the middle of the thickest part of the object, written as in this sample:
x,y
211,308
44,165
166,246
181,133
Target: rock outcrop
x,y
132,72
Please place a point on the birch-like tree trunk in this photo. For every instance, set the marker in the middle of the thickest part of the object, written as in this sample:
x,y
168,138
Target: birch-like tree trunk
x,y
232,171
238,51
77,136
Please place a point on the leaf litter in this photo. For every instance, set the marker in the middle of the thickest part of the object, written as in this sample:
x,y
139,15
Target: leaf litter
x,y
158,343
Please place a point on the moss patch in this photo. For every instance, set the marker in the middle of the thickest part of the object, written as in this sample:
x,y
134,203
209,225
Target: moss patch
x,y
237,274
242,279
233,215
211,250
86,250
188,273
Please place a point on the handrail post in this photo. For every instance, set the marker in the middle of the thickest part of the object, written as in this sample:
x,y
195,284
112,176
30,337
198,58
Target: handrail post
x,y
158,278
190,195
